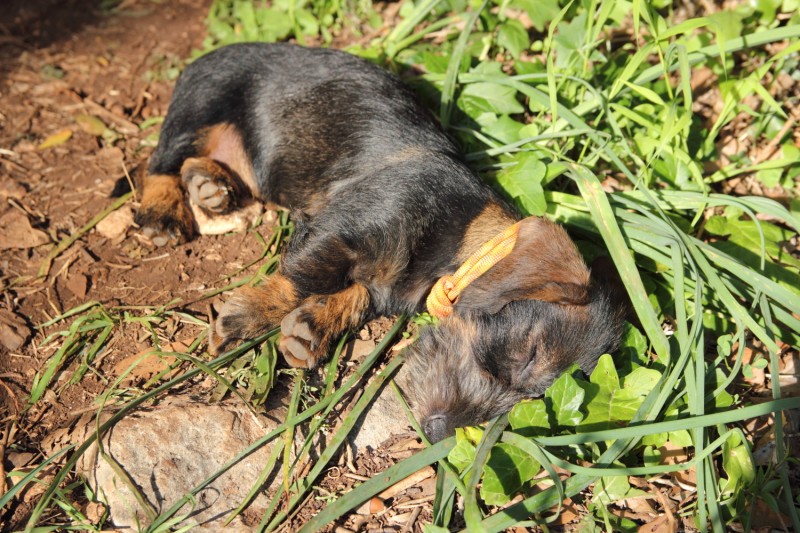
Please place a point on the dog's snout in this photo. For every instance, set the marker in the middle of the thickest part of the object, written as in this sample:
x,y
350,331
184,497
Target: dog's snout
x,y
436,428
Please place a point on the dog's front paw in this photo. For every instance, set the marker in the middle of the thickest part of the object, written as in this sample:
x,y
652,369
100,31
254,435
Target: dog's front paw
x,y
302,343
166,225
237,320
164,215
209,185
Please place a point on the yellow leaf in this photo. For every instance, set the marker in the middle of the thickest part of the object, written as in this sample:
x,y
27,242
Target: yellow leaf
x,y
91,125
57,138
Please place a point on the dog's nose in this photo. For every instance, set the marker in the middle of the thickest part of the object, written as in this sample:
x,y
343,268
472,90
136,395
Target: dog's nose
x,y
436,428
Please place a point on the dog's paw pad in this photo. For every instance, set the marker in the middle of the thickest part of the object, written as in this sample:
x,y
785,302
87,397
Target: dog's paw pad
x,y
163,230
301,345
296,352
209,192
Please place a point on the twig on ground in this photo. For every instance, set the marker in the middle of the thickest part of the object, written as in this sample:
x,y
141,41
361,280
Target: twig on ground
x,y
44,270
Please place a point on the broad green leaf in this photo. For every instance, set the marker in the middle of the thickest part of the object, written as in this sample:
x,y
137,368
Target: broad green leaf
x,y
608,401
680,438
634,344
726,24
503,128
523,182
566,398
737,462
613,488
463,454
495,98
530,418
651,456
513,36
539,11
605,375
641,381
507,469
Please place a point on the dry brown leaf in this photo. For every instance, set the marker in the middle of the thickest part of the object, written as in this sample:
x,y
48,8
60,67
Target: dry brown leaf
x,y
672,455
91,124
116,224
109,160
569,513
765,517
16,232
60,137
78,284
410,481
13,330
148,364
662,524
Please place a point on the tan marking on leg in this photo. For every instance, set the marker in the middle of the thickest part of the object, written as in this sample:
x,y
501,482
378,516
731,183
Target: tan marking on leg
x,y
224,143
251,311
164,209
343,310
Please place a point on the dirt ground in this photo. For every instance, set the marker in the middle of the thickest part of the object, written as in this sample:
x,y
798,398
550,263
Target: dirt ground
x,y
93,68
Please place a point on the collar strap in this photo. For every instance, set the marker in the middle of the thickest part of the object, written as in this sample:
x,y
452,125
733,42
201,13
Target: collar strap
x,y
447,289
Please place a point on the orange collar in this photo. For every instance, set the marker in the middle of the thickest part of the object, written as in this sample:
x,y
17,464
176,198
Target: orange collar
x,y
447,289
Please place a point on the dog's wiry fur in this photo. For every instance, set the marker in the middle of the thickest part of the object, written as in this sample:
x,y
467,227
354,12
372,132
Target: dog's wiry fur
x,y
383,206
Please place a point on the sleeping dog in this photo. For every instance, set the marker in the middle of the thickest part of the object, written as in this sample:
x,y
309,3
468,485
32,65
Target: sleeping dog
x,y
386,212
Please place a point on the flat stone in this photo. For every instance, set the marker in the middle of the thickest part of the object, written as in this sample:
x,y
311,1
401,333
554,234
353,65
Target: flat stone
x,y
384,417
171,448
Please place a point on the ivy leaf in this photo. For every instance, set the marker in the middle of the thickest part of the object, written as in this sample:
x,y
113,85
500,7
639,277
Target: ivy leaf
x,y
463,453
738,464
609,401
530,418
541,12
612,488
513,36
507,469
641,381
491,97
503,128
566,398
523,182
634,345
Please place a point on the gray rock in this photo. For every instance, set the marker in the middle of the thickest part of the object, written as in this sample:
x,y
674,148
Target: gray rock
x,y
169,449
384,417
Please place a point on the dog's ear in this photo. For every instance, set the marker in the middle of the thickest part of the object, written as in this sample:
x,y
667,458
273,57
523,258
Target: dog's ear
x,y
543,265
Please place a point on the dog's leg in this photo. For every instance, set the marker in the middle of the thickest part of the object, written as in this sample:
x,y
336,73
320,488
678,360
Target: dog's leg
x,y
313,299
211,185
307,332
252,311
164,214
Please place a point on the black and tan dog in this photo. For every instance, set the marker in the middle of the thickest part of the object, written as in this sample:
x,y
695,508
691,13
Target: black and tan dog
x,y
384,207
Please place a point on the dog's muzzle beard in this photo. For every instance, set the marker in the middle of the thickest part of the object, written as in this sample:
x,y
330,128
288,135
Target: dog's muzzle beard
x,y
449,386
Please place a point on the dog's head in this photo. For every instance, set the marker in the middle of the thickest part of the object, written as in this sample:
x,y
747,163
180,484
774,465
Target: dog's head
x,y
514,330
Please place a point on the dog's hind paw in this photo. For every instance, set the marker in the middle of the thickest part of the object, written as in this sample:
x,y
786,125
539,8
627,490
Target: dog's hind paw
x,y
209,185
302,345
